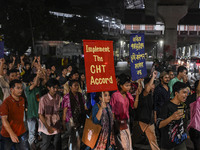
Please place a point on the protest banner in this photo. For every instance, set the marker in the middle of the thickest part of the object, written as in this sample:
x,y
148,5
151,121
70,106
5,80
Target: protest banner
x,y
1,49
99,66
137,56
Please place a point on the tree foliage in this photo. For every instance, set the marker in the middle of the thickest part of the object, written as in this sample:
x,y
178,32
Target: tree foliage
x,y
26,21
78,28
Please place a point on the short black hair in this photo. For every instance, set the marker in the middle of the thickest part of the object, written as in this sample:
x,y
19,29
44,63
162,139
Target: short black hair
x,y
52,65
27,63
196,84
63,67
48,66
31,77
169,70
71,82
69,65
12,71
179,86
181,69
9,62
82,73
123,78
162,74
72,73
97,95
52,82
13,82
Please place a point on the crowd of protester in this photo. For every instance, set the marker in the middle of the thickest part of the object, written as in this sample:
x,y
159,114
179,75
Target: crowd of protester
x,y
41,105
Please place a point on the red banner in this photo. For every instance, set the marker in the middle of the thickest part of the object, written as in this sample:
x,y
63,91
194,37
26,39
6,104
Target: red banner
x,y
99,66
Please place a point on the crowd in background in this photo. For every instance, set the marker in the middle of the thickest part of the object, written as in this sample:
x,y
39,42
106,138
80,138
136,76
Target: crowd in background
x,y
40,104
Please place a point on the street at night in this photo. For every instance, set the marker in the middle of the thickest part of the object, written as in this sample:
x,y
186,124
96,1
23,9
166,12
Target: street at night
x,y
99,75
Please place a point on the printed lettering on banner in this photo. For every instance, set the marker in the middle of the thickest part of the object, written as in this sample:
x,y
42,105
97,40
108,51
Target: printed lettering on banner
x,y
137,56
99,65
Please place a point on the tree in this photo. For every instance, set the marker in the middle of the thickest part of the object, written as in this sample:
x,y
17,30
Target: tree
x,y
79,28
25,21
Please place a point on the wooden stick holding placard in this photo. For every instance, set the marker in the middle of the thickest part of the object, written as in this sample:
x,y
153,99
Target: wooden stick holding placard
x,y
103,96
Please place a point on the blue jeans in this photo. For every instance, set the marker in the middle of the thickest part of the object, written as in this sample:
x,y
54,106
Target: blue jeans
x,y
32,129
22,145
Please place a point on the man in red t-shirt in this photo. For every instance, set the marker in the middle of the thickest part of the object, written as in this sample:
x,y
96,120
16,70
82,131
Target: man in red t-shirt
x,y
13,131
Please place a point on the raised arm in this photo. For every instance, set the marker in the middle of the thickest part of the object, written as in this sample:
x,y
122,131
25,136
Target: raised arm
x,y
99,113
35,58
22,61
35,83
138,92
149,85
2,61
39,62
13,63
42,75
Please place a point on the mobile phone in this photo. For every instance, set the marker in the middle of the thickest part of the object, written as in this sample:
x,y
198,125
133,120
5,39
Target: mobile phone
x,y
158,74
181,110
44,66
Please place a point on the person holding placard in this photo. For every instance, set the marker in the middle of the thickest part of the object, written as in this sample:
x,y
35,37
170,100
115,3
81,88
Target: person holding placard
x,y
103,115
120,102
145,111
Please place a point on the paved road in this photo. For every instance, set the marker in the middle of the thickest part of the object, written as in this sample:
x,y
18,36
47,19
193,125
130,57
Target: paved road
x,y
123,67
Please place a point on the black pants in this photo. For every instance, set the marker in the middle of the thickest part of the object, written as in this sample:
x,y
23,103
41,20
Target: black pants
x,y
195,137
22,145
75,138
46,141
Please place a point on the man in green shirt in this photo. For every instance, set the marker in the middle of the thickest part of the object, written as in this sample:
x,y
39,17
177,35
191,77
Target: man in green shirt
x,y
33,94
181,72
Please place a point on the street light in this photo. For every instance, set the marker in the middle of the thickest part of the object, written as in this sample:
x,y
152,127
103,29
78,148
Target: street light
x,y
121,42
159,46
161,42
121,48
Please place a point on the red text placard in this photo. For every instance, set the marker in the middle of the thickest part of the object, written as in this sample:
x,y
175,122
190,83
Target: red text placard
x,y
99,66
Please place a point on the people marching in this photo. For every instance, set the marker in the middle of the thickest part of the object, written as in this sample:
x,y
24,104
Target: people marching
x,y
45,106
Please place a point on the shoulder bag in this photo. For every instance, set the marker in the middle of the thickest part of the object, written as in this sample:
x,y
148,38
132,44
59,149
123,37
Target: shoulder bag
x,y
91,132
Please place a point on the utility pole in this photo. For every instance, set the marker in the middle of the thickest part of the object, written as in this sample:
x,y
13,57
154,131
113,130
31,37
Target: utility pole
x,y
31,28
